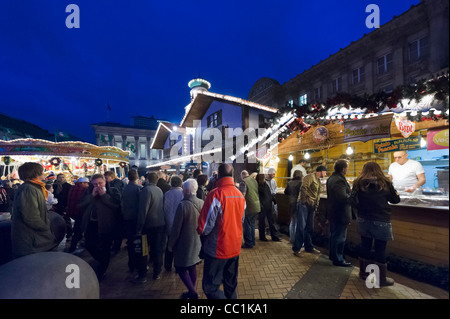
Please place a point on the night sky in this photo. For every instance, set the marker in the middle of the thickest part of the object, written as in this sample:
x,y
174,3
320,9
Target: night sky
x,y
139,55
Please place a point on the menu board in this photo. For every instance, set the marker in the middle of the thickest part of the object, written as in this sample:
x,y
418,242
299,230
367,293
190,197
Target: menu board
x,y
402,144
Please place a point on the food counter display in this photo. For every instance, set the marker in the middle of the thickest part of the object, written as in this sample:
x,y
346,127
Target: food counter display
x,y
420,221
420,225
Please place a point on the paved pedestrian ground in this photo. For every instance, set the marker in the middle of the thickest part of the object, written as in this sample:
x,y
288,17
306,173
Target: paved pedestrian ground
x,y
268,271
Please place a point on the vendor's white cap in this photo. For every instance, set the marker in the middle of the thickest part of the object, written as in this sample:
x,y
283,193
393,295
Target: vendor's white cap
x,y
83,180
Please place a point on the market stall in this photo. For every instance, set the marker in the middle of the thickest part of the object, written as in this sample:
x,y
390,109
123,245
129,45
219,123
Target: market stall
x,y
73,159
346,130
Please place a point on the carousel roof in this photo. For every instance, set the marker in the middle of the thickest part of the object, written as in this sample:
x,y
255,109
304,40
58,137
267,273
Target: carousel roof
x,y
35,147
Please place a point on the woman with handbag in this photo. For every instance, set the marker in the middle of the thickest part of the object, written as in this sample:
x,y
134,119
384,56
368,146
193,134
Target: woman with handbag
x,y
371,194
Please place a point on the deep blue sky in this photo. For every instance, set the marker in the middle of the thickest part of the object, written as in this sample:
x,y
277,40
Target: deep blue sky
x,y
139,55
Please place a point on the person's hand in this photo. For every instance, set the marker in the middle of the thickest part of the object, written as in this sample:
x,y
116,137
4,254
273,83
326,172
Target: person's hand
x,y
101,191
410,189
94,191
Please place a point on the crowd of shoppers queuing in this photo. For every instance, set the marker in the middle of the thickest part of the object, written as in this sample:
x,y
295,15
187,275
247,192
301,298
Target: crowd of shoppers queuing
x,y
186,222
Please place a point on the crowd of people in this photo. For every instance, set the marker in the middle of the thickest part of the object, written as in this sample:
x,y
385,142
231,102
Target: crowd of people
x,y
183,219
186,219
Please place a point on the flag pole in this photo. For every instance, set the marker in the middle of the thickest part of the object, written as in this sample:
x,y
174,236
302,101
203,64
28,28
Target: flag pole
x,y
109,110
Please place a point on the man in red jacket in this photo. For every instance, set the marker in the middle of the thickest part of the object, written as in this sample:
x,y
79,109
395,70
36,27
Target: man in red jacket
x,y
220,227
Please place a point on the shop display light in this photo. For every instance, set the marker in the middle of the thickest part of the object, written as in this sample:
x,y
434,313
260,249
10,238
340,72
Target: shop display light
x,y
307,155
291,158
423,142
349,150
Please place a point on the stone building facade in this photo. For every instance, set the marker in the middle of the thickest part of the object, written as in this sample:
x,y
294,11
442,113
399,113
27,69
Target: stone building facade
x,y
410,47
136,138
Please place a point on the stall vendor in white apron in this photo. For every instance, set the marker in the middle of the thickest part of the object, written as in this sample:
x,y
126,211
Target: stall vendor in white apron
x,y
406,174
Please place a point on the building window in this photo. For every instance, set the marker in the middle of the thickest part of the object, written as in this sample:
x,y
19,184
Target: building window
x,y
336,85
358,75
317,93
214,119
384,64
303,99
142,151
154,154
417,49
173,139
290,103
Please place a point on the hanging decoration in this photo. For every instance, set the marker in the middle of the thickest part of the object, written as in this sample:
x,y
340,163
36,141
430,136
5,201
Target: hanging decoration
x,y
7,160
98,162
123,164
55,161
405,126
427,100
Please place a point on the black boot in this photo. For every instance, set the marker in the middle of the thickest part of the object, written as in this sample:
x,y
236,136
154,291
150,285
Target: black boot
x,y
362,268
384,281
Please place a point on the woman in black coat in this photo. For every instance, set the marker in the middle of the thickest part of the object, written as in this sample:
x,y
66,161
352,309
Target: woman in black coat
x,y
371,194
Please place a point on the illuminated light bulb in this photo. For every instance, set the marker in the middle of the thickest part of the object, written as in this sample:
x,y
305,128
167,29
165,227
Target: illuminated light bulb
x,y
360,116
277,159
345,117
307,155
413,113
349,150
175,128
291,158
437,112
423,142
446,112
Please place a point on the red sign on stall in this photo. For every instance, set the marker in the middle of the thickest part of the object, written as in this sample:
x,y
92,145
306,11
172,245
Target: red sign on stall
x,y
437,139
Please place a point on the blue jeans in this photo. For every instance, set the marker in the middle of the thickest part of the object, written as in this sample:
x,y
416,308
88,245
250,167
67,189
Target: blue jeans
x,y
337,241
305,228
293,223
249,228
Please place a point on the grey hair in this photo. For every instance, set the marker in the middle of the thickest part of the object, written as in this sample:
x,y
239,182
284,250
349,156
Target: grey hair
x,y
244,174
190,186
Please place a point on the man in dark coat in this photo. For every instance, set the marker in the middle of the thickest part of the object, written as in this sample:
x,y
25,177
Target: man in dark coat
x,y
114,182
339,212
151,222
61,192
102,207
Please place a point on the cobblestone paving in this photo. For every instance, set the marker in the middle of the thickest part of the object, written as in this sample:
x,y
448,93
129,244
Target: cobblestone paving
x,y
267,271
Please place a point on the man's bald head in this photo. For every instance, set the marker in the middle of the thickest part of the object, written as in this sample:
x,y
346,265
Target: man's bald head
x,y
401,157
225,170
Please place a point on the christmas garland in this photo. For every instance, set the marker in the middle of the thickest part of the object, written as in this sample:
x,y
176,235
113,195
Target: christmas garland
x,y
318,114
